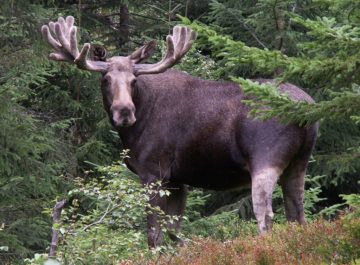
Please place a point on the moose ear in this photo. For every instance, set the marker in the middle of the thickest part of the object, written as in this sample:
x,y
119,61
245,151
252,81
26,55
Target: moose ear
x,y
144,52
98,53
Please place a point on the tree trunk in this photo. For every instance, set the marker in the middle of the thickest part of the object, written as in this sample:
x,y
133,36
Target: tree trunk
x,y
124,25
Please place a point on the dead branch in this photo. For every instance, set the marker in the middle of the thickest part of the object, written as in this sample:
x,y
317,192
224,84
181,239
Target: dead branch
x,y
55,231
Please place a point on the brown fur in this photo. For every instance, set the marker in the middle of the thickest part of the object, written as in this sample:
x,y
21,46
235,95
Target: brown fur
x,y
194,132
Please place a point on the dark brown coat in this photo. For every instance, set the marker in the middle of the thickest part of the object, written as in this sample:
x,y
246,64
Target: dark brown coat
x,y
196,132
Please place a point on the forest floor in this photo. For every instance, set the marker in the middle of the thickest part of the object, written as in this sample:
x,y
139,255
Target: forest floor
x,y
319,242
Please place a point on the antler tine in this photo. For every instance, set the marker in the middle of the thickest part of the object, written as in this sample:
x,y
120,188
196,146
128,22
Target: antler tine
x,y
61,35
178,44
45,30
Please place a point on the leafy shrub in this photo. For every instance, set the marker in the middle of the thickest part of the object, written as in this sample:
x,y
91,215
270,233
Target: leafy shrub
x,y
105,219
353,200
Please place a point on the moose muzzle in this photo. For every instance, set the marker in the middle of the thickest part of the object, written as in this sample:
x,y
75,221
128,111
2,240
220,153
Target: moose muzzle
x,y
122,116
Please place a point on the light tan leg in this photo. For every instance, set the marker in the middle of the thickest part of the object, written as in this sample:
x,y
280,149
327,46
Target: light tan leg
x,y
262,186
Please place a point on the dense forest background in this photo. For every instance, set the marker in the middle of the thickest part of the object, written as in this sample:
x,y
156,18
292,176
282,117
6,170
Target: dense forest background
x,y
56,142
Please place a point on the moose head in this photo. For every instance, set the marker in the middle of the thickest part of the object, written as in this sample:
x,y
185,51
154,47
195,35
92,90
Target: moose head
x,y
119,73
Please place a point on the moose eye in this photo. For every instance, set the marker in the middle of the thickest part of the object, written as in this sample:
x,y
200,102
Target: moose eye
x,y
133,82
106,80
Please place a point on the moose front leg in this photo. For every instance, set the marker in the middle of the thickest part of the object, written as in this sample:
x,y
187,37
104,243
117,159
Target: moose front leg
x,y
176,203
154,232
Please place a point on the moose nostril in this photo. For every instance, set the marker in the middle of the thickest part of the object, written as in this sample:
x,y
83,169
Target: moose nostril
x,y
124,112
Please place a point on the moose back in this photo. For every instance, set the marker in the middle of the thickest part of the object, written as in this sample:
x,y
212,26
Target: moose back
x,y
187,131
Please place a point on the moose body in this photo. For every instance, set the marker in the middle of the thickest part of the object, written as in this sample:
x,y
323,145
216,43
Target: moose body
x,y
196,132
183,130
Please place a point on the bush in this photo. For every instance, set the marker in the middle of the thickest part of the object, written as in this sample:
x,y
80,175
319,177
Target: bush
x,y
105,219
320,242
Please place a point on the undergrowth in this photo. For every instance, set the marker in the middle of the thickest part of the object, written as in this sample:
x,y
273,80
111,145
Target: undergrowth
x,y
319,242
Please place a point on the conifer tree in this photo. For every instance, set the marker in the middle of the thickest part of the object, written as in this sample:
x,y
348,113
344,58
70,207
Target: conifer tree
x,y
316,47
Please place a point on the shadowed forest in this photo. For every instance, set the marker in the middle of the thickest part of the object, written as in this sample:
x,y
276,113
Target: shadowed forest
x,y
57,146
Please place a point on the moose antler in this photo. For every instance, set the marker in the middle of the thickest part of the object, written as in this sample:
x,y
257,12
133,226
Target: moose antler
x,y
61,35
178,45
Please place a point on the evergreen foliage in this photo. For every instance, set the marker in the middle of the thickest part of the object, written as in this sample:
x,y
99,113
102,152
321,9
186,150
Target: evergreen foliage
x,y
323,59
53,128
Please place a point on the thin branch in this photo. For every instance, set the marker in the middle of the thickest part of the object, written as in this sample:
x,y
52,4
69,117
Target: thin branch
x,y
279,22
186,7
143,16
55,231
107,211
247,27
295,6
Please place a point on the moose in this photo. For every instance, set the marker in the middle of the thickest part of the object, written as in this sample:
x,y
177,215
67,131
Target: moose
x,y
184,131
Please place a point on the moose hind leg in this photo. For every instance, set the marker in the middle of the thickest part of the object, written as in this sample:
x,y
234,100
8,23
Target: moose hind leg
x,y
293,179
262,186
175,206
292,184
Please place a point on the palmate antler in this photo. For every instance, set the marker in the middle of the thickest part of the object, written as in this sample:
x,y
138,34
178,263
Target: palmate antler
x,y
61,35
178,45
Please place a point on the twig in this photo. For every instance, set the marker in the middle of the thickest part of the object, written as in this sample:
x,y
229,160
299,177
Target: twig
x,y
279,23
186,7
246,26
55,231
107,211
143,16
